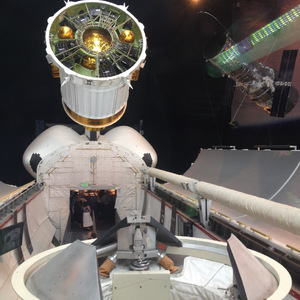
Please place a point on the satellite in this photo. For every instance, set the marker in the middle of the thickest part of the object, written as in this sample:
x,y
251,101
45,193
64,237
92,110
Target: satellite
x,y
272,92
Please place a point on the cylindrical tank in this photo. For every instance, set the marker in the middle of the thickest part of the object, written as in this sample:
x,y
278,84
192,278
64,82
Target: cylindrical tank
x,y
97,47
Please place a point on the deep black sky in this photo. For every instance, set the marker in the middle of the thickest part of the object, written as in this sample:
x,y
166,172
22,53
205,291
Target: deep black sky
x,y
181,107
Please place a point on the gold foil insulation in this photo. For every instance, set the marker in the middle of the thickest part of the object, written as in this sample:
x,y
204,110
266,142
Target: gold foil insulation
x,y
94,124
168,264
127,36
89,62
97,40
135,75
65,32
55,71
105,269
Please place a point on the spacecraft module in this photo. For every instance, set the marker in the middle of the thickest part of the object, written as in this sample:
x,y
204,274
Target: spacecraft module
x,y
96,48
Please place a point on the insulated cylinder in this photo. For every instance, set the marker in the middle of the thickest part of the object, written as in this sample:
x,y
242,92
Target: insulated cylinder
x,y
97,47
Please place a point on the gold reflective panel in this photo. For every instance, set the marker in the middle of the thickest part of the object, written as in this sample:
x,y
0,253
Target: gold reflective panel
x,y
135,75
97,40
127,36
94,124
88,62
55,71
65,32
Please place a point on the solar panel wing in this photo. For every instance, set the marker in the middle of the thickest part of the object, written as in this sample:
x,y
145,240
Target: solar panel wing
x,y
283,83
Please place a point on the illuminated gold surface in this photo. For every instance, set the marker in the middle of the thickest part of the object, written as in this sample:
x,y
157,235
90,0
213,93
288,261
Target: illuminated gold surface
x,y
94,124
89,62
65,32
127,36
55,71
135,75
97,40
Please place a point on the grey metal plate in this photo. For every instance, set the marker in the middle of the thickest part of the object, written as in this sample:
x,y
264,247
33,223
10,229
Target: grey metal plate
x,y
71,274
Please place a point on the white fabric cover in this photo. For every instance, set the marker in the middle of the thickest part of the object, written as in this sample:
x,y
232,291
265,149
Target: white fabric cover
x,y
41,233
277,214
153,207
98,164
127,202
201,279
7,265
40,228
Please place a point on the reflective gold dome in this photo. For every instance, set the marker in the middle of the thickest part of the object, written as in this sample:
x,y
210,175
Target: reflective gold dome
x,y
97,40
127,36
65,32
89,62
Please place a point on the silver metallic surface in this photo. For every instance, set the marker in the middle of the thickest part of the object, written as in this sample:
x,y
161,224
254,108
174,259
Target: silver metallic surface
x,y
205,248
113,257
161,255
133,255
104,250
71,274
139,265
138,219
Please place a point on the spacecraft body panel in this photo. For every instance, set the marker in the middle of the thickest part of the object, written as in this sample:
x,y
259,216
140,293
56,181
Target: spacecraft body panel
x,y
90,165
41,235
84,99
134,141
48,141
